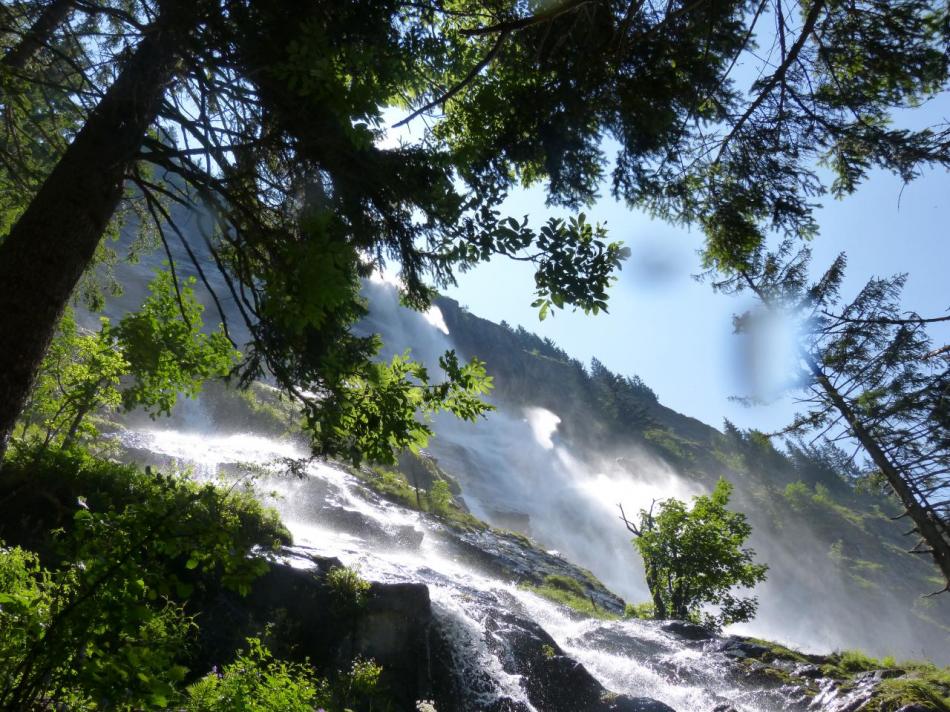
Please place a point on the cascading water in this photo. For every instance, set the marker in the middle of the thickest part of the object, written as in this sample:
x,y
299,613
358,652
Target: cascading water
x,y
515,472
330,513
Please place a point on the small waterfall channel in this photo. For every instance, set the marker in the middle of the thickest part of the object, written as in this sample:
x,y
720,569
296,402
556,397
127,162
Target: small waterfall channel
x,y
331,513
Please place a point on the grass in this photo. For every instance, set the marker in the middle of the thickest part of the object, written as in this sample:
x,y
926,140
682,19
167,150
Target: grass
x,y
922,683
570,593
928,690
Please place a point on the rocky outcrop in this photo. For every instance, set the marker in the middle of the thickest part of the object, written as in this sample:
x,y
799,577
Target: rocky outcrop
x,y
553,681
515,558
297,613
301,618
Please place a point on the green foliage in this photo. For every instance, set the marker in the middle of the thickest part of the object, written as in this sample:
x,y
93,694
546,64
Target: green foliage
x,y
643,611
80,374
675,447
440,497
167,351
375,415
929,692
349,590
695,557
256,682
73,636
146,360
103,622
394,486
359,687
801,498
914,683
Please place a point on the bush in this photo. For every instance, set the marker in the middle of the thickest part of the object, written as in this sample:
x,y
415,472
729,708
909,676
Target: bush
x,y
47,488
256,682
440,497
643,611
97,618
348,589
79,637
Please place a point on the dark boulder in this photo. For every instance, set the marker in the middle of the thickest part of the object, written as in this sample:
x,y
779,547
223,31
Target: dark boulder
x,y
299,617
553,681
739,648
688,631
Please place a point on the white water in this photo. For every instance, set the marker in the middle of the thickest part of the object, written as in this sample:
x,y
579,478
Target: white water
x,y
632,657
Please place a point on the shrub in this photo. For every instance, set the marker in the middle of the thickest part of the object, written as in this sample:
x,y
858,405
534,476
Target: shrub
x,y
359,686
348,589
256,682
643,611
96,618
79,636
440,497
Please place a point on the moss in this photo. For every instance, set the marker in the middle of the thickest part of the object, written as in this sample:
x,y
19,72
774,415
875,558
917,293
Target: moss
x,y
777,651
259,407
523,539
918,682
394,486
766,675
570,593
565,583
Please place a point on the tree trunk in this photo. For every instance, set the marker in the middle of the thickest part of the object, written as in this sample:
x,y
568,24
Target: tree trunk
x,y
659,605
51,245
924,523
38,36
74,427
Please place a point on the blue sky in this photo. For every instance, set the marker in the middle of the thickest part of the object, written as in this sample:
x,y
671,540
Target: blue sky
x,y
676,334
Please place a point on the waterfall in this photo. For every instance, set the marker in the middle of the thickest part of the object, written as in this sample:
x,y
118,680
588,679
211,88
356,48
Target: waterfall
x,y
330,513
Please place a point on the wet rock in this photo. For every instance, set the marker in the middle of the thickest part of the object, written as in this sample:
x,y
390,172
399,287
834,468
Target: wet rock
x,y
724,708
368,529
506,704
688,631
738,648
407,536
811,672
512,557
553,681
510,519
392,629
610,640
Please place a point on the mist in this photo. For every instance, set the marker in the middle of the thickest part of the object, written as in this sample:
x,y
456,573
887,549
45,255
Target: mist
x,y
517,472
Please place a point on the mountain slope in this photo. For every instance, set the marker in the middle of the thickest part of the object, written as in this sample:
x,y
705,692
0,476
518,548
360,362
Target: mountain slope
x,y
840,575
